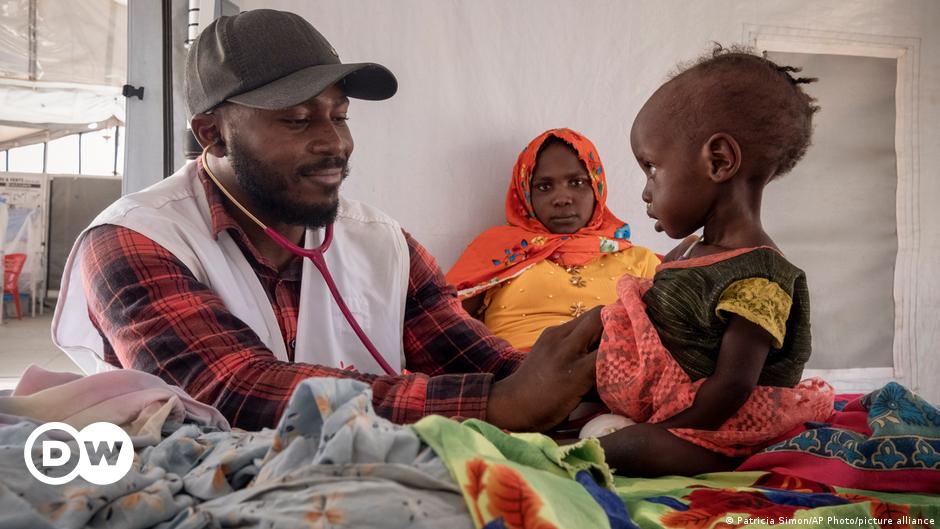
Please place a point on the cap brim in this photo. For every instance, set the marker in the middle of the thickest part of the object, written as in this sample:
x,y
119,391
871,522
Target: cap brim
x,y
360,81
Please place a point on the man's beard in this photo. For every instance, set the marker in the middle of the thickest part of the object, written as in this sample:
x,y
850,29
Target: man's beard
x,y
269,191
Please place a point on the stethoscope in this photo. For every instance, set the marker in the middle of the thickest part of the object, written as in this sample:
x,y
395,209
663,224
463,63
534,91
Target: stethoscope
x,y
316,257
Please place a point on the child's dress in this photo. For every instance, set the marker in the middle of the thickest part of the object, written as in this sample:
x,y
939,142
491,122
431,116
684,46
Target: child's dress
x,y
662,339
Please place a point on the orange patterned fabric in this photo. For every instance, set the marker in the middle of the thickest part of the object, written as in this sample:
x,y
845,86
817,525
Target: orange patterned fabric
x,y
638,378
504,251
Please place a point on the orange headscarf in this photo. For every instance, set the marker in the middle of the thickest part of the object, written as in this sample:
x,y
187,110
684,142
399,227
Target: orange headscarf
x,y
503,252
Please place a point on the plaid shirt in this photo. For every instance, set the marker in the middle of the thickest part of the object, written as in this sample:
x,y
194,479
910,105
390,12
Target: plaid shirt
x,y
156,317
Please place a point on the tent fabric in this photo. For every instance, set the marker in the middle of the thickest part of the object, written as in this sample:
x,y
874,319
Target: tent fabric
x,y
79,41
478,79
843,190
62,65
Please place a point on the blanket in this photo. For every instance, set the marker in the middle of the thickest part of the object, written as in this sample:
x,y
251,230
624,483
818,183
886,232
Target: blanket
x,y
138,402
730,500
330,462
526,480
520,480
886,440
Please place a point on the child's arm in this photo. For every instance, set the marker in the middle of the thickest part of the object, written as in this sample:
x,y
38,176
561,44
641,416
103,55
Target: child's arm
x,y
744,348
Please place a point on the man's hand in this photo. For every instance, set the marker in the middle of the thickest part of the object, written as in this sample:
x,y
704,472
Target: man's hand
x,y
550,382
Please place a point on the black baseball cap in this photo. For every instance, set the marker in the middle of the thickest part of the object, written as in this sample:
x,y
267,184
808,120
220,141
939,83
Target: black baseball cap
x,y
273,59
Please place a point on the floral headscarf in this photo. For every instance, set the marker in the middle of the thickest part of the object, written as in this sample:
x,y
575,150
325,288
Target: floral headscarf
x,y
504,252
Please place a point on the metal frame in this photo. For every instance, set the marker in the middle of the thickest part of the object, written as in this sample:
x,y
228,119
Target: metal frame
x,y
143,140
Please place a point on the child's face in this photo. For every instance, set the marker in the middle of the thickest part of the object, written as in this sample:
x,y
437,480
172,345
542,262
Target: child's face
x,y
678,192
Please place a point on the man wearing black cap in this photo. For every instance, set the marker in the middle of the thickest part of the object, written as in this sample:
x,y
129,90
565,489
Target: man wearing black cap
x,y
182,280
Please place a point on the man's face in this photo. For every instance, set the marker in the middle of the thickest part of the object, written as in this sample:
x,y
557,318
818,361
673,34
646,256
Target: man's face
x,y
291,162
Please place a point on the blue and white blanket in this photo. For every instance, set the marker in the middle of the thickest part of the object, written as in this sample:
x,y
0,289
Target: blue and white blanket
x,y
331,462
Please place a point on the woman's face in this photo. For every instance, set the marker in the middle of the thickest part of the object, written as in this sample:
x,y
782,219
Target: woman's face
x,y
562,196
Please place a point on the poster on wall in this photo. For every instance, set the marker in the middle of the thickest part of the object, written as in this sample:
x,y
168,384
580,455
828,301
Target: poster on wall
x,y
23,190
25,232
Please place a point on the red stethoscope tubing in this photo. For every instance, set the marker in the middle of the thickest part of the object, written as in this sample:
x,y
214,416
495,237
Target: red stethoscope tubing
x,y
316,257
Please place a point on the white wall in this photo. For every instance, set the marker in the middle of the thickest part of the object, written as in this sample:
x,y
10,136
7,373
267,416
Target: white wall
x,y
479,78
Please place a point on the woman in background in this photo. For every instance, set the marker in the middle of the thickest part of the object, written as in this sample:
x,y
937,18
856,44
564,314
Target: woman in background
x,y
562,252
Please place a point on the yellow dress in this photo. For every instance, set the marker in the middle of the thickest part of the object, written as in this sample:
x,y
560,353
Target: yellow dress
x,y
548,294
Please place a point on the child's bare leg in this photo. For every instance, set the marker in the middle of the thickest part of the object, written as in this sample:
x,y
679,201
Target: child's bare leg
x,y
647,450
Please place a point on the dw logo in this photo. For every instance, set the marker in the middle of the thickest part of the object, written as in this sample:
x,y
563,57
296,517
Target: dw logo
x,y
97,444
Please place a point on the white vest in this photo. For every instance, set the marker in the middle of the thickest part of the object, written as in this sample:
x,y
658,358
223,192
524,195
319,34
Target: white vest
x,y
368,259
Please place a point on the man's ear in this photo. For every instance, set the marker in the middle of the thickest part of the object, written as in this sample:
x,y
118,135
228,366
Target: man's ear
x,y
722,156
207,132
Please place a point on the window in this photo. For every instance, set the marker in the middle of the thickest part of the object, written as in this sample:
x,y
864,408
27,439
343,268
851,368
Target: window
x,y
26,159
119,165
97,156
63,155
91,153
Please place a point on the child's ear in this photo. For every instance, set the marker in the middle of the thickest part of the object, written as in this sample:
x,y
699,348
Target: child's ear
x,y
723,157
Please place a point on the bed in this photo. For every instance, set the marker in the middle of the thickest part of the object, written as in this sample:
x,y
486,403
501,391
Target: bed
x,y
331,462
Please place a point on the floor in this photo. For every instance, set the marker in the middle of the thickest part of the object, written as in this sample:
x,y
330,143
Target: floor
x,y
25,342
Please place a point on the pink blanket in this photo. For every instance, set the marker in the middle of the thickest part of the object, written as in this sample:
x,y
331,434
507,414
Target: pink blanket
x,y
138,402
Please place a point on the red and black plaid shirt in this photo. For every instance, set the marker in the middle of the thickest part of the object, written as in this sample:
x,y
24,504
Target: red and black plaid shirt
x,y
156,317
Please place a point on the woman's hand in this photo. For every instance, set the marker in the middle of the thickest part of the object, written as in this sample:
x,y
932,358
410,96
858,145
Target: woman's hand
x,y
550,382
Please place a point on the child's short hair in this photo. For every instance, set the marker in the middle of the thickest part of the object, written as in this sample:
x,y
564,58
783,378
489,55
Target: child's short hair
x,y
764,106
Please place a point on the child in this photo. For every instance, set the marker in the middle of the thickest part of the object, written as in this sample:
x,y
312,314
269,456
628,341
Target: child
x,y
709,355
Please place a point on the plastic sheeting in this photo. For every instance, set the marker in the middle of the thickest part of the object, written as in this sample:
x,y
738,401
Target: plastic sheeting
x,y
4,220
4,217
23,235
61,66
78,41
53,113
25,232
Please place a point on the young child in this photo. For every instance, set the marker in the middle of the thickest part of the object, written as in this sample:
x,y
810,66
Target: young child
x,y
708,356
